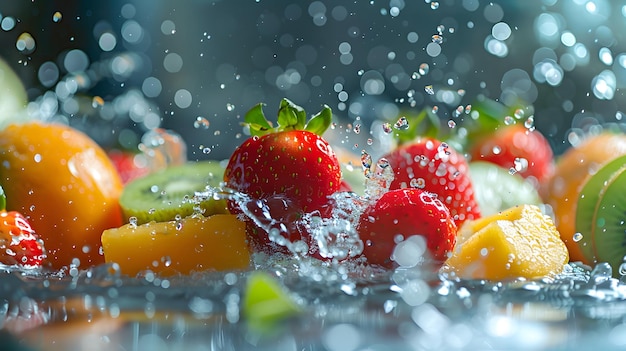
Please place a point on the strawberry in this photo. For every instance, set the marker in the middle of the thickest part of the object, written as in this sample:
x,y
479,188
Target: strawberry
x,y
401,213
19,244
518,148
128,164
286,171
434,166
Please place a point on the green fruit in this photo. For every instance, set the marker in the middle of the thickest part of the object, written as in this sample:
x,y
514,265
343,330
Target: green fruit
x,y
13,98
266,302
495,189
168,194
601,215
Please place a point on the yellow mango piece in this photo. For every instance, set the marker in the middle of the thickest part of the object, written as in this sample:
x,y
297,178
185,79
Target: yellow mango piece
x,y
195,243
520,242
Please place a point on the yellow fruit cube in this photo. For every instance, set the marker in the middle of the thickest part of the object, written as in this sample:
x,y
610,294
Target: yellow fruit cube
x,y
195,243
520,242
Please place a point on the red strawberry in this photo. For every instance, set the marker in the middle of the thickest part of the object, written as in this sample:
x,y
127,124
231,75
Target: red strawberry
x,y
524,150
432,165
128,165
401,213
287,171
19,244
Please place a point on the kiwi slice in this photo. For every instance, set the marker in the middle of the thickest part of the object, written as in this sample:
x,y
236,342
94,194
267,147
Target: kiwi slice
x,y
601,215
168,194
495,189
13,98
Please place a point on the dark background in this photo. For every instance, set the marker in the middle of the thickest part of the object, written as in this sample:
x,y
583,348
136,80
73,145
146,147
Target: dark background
x,y
235,52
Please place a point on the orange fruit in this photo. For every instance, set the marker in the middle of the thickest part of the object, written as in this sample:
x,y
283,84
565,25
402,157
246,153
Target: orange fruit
x,y
573,169
520,242
65,184
192,244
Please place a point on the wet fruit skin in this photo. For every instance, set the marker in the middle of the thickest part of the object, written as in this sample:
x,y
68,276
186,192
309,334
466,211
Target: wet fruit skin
x,y
194,243
513,142
294,167
434,166
520,242
572,170
66,186
19,244
406,212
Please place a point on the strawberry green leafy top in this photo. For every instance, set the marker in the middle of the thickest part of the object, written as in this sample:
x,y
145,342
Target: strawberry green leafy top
x,y
290,117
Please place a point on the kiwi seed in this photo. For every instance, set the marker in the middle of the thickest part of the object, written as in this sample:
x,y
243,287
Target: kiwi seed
x,y
166,195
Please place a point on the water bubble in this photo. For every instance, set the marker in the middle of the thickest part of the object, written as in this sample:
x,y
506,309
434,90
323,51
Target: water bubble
x,y
429,90
451,124
201,123
508,120
434,5
57,17
519,113
435,109
437,39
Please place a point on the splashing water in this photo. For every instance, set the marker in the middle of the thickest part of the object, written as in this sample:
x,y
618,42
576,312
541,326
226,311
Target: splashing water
x,y
163,148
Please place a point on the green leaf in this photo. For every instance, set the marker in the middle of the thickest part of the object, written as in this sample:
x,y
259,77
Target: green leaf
x,y
255,119
266,302
3,199
320,121
290,116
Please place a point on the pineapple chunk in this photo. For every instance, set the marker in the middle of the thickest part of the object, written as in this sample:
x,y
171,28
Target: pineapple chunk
x,y
520,242
195,243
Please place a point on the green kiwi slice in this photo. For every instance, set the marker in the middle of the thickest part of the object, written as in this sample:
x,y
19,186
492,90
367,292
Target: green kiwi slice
x,y
601,215
168,194
495,189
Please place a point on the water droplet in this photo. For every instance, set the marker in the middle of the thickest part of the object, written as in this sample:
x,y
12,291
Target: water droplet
x,y
521,164
166,260
530,123
97,101
366,161
370,141
387,128
435,109
423,69
25,43
577,237
519,113
132,221
230,107
437,39
57,17
434,5
402,124
419,183
451,124
508,120
429,90
201,123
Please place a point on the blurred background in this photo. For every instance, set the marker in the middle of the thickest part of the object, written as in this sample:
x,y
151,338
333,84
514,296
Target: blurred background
x,y
120,68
